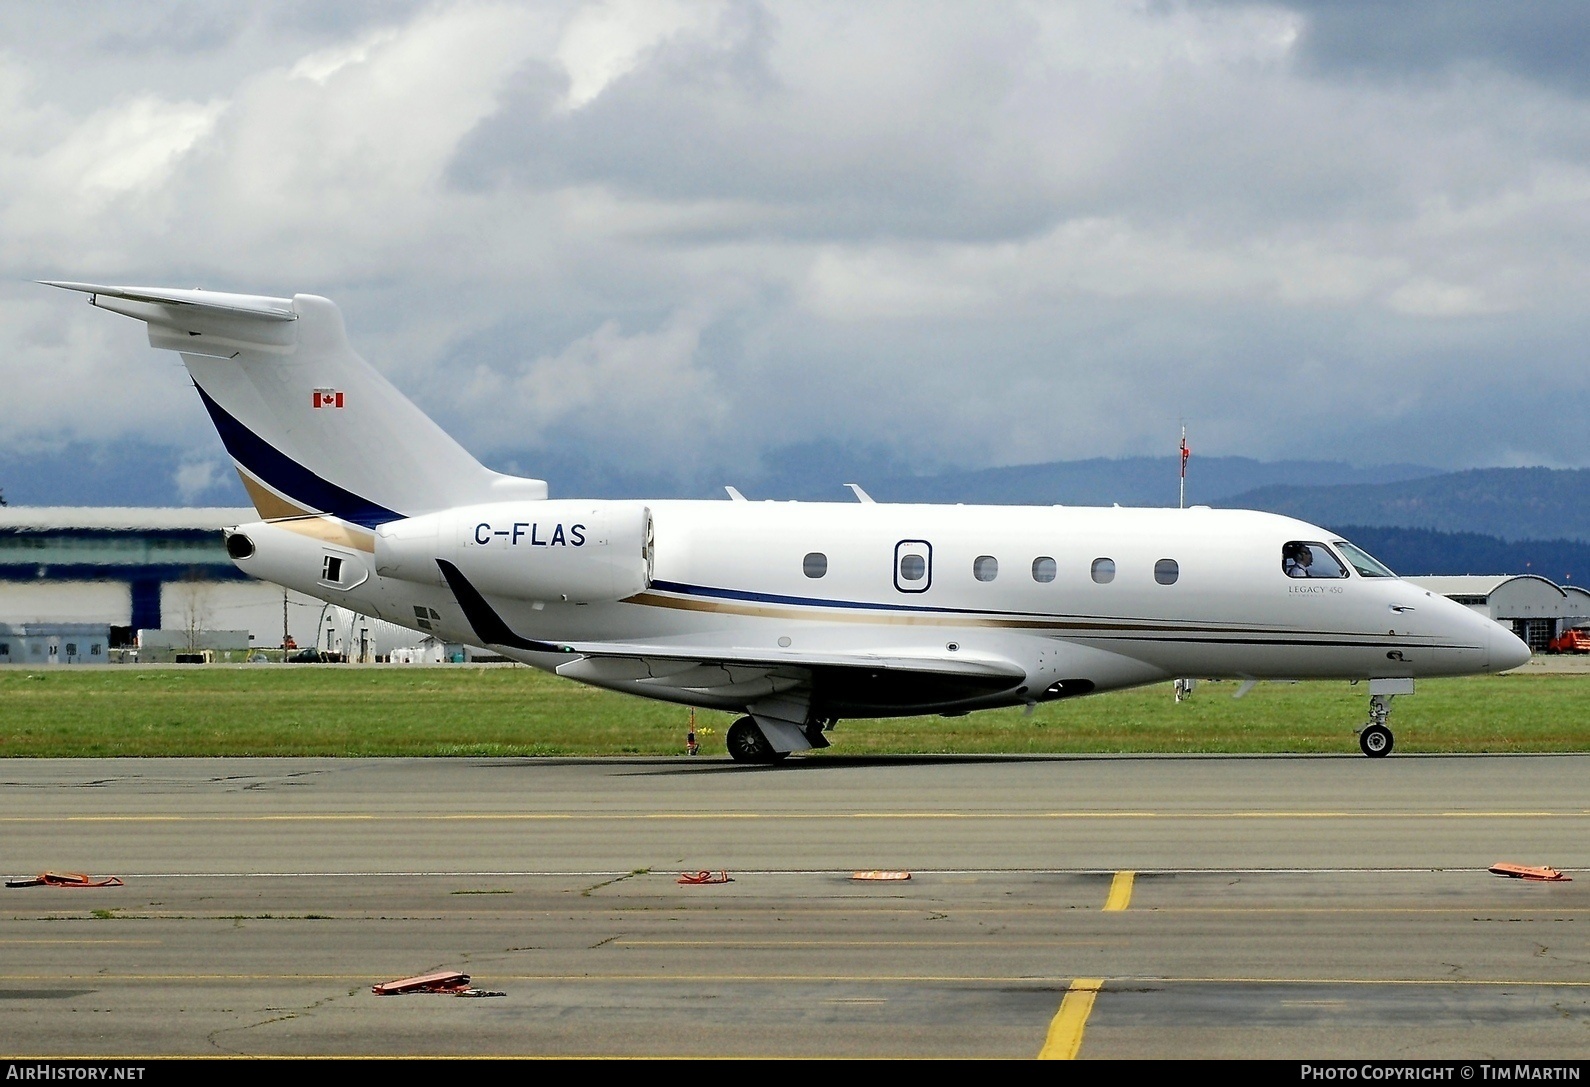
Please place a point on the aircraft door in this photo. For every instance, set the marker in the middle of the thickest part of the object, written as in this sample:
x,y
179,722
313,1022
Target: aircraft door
x,y
913,566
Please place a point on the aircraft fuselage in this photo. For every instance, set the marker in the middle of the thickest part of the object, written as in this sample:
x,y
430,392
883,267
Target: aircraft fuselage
x,y
1071,599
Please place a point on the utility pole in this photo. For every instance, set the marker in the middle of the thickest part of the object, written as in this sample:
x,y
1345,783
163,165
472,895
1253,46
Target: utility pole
x,y
284,626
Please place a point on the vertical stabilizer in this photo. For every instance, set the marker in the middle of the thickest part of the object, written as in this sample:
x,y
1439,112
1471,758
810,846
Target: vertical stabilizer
x,y
311,426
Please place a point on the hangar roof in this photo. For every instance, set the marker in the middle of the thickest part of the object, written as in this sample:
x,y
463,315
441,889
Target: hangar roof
x,y
1474,584
129,518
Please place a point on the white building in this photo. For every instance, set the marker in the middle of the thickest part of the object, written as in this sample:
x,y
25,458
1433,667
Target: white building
x,y
98,576
44,644
1536,608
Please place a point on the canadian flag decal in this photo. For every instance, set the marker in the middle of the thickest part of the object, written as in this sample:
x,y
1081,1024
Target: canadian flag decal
x,y
328,398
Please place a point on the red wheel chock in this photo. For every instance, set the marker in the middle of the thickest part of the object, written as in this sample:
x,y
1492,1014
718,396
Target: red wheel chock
x,y
1523,871
443,981
65,879
450,982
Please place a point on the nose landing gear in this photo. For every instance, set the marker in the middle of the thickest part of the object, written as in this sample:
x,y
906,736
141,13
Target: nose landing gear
x,y
1374,738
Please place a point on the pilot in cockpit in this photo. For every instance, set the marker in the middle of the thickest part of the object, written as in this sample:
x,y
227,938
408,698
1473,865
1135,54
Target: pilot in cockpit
x,y
1296,558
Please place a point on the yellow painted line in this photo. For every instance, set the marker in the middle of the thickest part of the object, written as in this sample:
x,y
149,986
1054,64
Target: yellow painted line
x,y
1466,911
1120,892
81,943
1065,1029
672,817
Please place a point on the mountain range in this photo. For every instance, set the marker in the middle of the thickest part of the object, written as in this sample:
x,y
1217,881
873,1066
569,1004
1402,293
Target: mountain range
x,y
1417,519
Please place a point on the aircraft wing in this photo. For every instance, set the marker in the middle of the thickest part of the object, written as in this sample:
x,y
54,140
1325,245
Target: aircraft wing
x,y
857,678
670,660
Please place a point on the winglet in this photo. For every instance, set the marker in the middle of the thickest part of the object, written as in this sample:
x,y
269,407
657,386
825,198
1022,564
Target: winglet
x,y
735,495
483,618
861,495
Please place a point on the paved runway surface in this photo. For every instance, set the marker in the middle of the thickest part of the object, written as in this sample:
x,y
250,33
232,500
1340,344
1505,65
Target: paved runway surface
x,y
1096,907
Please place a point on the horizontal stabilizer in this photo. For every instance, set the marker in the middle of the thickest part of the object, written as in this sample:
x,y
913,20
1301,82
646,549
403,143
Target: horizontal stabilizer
x,y
205,323
240,305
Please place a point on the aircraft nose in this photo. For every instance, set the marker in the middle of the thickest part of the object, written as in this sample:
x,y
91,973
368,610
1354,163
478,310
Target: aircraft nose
x,y
1507,650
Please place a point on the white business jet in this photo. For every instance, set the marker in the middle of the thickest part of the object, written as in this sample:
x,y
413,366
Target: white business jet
x,y
794,614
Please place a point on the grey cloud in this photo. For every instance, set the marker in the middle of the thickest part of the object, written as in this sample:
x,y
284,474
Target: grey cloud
x,y
950,234
703,120
1544,41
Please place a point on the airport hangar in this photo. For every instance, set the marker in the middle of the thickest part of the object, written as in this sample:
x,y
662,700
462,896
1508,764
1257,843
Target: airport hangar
x,y
98,585
94,585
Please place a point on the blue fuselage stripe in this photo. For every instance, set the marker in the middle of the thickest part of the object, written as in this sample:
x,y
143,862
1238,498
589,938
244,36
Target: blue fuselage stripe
x,y
1166,631
801,601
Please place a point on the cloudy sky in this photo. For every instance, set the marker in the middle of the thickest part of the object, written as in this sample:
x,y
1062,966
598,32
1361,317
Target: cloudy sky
x,y
658,232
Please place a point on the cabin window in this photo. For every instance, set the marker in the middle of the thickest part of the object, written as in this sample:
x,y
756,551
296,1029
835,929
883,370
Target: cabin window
x,y
331,569
1310,559
1043,569
913,566
1366,565
815,564
985,568
1166,571
1103,571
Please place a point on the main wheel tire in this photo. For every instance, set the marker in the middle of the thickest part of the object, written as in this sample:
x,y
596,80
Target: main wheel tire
x,y
1375,741
747,744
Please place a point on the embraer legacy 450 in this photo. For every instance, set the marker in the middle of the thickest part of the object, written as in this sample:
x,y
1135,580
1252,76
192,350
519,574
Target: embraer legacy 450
x,y
794,614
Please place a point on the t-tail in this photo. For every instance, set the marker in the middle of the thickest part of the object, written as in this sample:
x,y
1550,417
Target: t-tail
x,y
312,428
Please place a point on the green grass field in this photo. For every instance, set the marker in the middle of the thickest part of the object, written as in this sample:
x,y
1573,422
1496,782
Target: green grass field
x,y
279,710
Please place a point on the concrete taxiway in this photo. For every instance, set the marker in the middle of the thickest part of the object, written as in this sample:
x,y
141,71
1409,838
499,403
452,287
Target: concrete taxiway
x,y
1097,907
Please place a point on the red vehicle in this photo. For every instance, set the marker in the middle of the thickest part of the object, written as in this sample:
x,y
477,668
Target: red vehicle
x,y
1572,640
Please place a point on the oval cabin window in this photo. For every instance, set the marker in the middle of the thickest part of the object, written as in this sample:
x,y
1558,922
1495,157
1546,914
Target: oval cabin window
x,y
1043,569
913,567
1166,571
1104,571
985,568
815,564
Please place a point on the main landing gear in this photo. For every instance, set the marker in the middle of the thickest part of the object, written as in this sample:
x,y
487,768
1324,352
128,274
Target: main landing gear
x,y
747,744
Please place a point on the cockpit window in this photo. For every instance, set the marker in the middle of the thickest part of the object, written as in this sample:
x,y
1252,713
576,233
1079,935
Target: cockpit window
x,y
1308,558
1366,565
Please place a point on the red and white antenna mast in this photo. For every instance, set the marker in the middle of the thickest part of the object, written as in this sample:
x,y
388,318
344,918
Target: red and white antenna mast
x,y
1185,453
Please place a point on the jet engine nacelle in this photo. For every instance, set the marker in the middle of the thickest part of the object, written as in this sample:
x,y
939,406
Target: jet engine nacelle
x,y
578,551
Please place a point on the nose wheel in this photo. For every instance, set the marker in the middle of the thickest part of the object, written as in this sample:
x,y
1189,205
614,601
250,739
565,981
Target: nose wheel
x,y
1375,739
